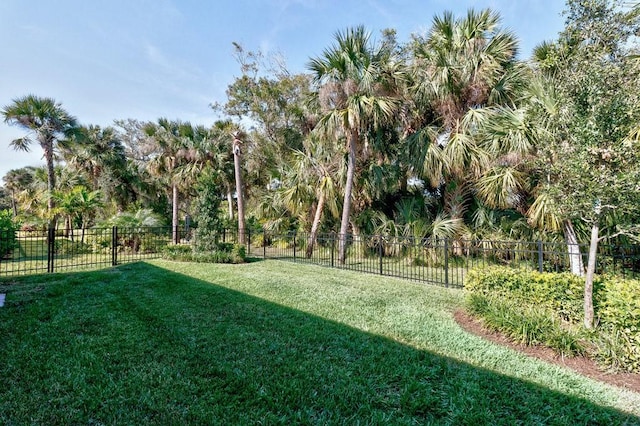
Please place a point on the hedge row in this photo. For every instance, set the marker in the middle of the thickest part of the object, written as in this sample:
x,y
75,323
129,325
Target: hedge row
x,y
616,338
221,253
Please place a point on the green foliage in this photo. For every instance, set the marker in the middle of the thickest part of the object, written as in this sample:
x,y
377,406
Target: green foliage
x,y
562,293
68,247
207,216
547,308
218,253
526,324
137,219
8,228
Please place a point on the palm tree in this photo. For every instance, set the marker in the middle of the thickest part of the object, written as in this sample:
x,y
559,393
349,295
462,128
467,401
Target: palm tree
x,y
461,67
16,181
356,95
170,139
48,121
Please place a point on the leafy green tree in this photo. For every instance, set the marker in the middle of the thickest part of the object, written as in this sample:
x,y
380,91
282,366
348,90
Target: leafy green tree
x,y
8,229
48,122
596,170
207,208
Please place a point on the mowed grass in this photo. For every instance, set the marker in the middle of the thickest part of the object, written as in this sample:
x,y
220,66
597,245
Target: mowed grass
x,y
268,342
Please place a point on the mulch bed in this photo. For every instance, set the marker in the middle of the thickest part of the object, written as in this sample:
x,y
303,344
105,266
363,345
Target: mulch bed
x,y
582,365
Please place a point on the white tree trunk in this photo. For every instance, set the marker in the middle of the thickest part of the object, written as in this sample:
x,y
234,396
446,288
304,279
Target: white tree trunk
x,y
573,248
588,282
230,202
239,194
174,216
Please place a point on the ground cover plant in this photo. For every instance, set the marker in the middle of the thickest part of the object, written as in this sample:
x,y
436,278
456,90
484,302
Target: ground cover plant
x,y
272,343
543,308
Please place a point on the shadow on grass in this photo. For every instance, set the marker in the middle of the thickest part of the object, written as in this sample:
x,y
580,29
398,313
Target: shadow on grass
x,y
140,344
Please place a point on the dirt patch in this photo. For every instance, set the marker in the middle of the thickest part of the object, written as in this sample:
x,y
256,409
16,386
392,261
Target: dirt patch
x,y
582,365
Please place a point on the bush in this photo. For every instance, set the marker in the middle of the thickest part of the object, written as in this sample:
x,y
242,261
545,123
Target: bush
x,y
222,253
8,228
526,324
562,293
517,302
68,247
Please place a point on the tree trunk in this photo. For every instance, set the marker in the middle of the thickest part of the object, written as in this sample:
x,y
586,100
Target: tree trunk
x,y
573,248
346,205
67,228
588,282
314,227
230,202
51,179
14,205
239,194
174,216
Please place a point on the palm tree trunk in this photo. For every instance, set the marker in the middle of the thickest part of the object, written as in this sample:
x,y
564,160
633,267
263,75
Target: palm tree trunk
x,y
573,248
47,146
346,205
230,202
174,219
239,194
68,229
14,204
314,227
588,282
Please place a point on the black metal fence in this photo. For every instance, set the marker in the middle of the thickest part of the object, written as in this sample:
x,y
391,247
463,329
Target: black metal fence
x,y
438,261
40,251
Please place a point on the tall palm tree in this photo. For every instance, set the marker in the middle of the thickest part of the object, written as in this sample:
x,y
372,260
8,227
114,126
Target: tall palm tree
x,y
170,139
356,94
48,121
461,67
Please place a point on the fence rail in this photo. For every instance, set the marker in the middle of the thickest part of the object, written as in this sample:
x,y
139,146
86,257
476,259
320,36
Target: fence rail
x,y
437,261
41,251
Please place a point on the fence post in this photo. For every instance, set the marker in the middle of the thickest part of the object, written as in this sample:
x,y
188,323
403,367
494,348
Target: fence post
x,y
249,241
264,243
294,245
51,248
224,235
333,246
540,255
446,262
380,252
114,246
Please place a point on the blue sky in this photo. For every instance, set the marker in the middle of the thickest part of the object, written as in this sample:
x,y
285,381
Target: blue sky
x,y
145,59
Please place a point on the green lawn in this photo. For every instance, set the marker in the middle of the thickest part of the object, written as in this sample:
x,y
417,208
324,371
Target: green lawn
x,y
268,342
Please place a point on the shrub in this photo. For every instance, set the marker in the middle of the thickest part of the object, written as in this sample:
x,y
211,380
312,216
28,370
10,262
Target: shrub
x,y
527,325
68,247
561,292
517,301
222,253
8,228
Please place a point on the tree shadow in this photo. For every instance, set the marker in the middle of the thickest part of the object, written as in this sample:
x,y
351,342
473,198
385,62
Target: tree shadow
x,y
231,358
